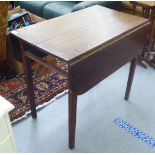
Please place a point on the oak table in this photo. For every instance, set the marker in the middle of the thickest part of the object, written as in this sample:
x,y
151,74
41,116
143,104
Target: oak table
x,y
94,42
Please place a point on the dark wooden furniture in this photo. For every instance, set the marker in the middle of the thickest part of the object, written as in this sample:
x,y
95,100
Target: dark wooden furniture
x,y
148,11
94,42
3,31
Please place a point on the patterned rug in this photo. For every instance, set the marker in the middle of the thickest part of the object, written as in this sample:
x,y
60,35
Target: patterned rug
x,y
48,86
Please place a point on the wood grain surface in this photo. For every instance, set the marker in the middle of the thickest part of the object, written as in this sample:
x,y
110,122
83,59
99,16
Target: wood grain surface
x,y
3,13
3,27
71,36
3,43
89,71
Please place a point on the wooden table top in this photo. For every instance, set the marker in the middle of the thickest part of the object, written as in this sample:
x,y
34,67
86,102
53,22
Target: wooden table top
x,y
71,36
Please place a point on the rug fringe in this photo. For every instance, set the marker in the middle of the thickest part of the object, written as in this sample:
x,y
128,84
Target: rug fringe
x,y
41,106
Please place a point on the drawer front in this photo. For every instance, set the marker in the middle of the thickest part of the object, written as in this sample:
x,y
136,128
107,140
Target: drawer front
x,y
7,146
4,129
3,13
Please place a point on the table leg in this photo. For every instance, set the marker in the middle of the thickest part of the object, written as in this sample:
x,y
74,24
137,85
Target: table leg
x,y
152,31
72,118
27,62
130,77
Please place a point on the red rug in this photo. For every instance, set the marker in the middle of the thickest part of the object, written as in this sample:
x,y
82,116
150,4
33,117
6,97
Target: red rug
x,y
47,84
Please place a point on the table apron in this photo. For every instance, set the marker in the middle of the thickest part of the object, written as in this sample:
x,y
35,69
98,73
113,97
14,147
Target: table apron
x,y
88,72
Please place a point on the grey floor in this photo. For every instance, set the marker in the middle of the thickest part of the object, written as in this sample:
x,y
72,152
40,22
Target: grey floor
x,y
96,111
